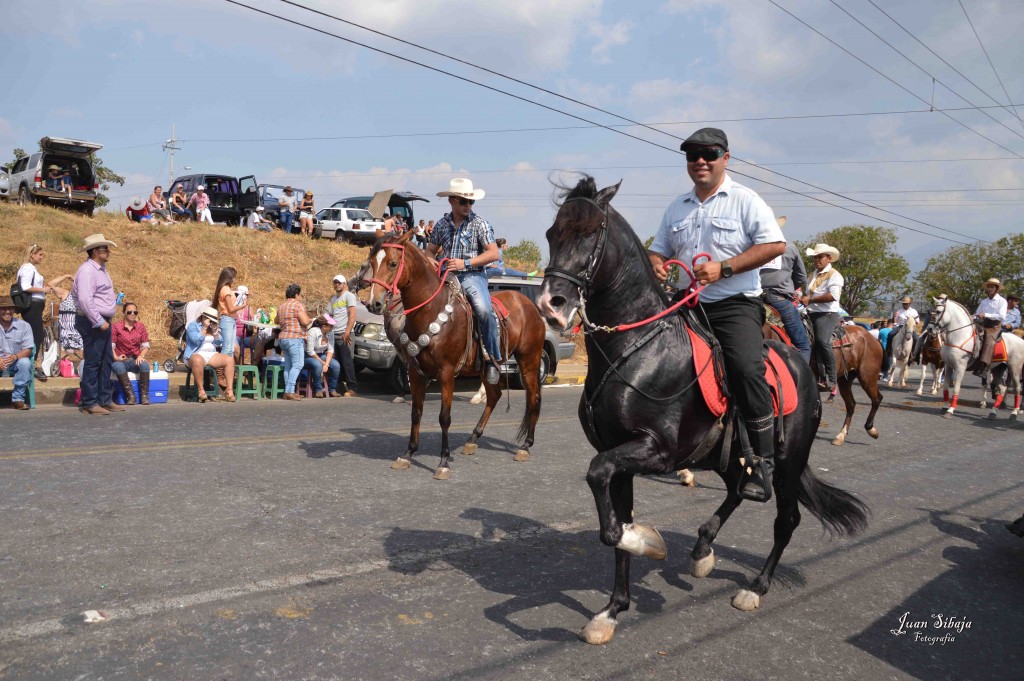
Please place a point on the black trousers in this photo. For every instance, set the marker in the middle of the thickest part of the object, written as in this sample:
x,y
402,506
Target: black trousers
x,y
34,317
737,324
348,369
824,326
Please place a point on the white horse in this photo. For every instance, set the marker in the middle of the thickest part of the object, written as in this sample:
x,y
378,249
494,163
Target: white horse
x,y
1003,372
902,343
961,344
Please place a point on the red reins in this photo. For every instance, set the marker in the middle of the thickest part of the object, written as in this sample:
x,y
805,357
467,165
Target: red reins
x,y
392,288
690,299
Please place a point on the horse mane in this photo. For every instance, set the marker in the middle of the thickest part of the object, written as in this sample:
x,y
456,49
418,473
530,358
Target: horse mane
x,y
576,218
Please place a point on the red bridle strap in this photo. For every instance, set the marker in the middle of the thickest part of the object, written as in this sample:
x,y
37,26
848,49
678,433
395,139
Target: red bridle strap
x,y
392,288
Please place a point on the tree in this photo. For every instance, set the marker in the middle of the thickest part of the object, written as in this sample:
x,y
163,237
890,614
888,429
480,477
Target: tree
x,y
871,268
525,254
959,271
19,154
105,177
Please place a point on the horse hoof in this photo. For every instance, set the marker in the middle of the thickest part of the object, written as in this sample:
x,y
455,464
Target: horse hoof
x,y
522,455
702,567
442,473
599,630
477,399
642,541
947,414
469,449
838,442
873,432
746,600
991,416
687,478
401,464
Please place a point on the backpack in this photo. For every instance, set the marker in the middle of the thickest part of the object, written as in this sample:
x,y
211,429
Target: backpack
x,y
22,299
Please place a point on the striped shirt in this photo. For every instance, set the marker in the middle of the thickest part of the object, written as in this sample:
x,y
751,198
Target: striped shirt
x,y
468,240
288,318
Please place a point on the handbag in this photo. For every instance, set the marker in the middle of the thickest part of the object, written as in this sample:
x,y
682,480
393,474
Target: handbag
x,y
22,299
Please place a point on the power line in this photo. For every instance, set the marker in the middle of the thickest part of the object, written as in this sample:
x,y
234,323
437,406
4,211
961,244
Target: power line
x,y
894,82
620,132
955,69
990,62
921,68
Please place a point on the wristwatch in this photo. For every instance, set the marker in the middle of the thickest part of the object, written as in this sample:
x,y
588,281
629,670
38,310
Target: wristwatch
x,y
726,269
466,263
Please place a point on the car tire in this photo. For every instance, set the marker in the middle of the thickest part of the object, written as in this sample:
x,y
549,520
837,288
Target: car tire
x,y
24,197
341,236
89,211
547,367
398,378
170,365
318,231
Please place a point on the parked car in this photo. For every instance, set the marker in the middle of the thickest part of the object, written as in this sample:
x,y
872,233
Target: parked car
x,y
398,203
28,176
270,194
374,351
5,183
351,225
231,198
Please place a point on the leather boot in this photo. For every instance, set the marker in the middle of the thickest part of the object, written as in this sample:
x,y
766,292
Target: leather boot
x,y
758,484
126,388
144,388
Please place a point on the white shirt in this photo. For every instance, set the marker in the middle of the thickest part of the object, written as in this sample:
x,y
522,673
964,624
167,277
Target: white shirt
x,y
29,277
289,203
833,284
726,224
989,308
903,316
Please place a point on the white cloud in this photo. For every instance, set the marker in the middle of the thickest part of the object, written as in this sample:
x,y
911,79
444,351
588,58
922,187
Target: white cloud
x,y
608,37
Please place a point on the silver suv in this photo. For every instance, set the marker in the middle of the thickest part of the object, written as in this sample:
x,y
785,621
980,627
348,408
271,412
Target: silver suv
x,y
30,177
374,351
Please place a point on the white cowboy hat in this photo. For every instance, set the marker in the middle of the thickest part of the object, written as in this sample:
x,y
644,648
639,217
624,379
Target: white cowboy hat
x,y
211,312
830,251
137,203
993,280
463,188
95,240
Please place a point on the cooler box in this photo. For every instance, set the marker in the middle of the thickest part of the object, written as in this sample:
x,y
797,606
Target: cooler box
x,y
159,387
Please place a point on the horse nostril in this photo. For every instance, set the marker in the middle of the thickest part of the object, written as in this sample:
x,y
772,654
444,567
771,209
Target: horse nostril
x,y
557,301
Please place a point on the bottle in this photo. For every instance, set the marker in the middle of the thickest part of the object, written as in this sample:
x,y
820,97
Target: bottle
x,y
120,298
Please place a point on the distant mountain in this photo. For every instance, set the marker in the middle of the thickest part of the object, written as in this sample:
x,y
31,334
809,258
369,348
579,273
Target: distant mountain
x,y
917,258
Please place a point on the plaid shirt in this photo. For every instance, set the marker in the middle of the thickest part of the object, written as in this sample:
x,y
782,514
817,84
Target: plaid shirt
x,y
466,241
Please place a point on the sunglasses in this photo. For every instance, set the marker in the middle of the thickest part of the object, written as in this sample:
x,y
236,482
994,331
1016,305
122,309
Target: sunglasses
x,y
464,202
709,154
132,312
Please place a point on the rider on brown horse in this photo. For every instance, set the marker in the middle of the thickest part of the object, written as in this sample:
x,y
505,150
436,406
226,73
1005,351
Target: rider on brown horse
x,y
738,229
468,241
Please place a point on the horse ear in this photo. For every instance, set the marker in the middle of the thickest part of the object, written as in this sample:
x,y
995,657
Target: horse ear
x,y
405,237
607,194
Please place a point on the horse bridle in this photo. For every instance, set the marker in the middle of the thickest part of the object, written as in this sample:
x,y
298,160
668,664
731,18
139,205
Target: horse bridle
x,y
583,282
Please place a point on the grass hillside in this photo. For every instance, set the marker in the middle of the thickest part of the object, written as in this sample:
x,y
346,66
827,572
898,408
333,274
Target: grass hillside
x,y
156,263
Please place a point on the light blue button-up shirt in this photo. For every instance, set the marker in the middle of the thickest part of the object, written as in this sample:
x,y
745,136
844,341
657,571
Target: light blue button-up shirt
x,y
728,223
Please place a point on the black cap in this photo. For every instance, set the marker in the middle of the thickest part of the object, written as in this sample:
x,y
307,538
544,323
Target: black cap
x,y
706,137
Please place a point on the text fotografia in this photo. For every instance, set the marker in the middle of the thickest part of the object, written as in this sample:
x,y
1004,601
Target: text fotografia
x,y
939,629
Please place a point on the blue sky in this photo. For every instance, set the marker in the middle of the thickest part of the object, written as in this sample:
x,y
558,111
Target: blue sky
x,y
121,73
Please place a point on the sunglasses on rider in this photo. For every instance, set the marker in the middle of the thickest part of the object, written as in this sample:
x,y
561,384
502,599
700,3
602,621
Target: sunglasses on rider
x,y
709,154
464,202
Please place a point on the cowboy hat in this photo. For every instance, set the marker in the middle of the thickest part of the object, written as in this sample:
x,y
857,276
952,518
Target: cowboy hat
x,y
462,188
993,280
211,313
137,203
781,221
6,301
260,209
53,166
96,240
819,249
906,299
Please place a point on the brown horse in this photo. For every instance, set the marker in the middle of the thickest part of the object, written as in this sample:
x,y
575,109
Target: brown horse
x,y
438,343
858,355
931,355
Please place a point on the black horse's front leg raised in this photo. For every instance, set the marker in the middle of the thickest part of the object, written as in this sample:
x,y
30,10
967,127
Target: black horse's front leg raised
x,y
418,388
611,480
447,381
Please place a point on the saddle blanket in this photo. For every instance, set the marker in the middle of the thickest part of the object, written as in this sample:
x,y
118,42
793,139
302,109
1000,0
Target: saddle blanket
x,y
712,391
499,309
999,352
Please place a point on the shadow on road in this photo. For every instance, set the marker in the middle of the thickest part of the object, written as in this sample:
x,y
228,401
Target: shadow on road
x,y
927,634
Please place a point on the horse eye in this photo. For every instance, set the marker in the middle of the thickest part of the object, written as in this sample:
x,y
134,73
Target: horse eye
x,y
393,265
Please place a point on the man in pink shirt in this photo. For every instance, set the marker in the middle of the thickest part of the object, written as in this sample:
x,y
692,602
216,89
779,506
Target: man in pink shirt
x,y
202,202
94,295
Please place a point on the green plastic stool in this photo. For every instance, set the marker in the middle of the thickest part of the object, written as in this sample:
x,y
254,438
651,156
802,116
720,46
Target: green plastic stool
x,y
253,373
208,373
272,388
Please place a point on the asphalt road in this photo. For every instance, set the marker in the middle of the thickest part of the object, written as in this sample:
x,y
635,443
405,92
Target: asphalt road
x,y
271,540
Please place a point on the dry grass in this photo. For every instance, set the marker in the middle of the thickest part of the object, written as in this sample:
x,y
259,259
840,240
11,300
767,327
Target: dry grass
x,y
156,263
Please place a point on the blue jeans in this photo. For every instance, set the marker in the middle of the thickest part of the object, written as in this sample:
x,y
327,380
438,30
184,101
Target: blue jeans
x,y
95,368
228,334
791,320
314,368
475,286
293,349
287,218
185,212
22,373
131,365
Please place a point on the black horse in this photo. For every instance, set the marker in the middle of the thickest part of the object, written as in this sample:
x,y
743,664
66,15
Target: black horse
x,y
641,412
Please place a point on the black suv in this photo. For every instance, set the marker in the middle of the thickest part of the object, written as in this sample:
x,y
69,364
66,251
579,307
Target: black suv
x,y
231,198
399,203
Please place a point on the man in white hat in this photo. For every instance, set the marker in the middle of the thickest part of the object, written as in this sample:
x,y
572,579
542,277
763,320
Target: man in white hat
x,y
343,309
822,303
990,314
468,240
739,230
138,210
906,315
781,278
96,303
258,222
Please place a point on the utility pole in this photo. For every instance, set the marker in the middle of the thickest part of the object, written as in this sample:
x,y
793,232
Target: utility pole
x,y
169,146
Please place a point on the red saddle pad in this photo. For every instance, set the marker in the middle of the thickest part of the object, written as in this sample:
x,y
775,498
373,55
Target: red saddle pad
x,y
712,391
499,308
999,352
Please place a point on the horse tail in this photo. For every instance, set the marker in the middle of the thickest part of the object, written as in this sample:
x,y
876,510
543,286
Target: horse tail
x,y
838,510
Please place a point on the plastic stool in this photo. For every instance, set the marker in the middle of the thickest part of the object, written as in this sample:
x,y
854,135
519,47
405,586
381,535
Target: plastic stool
x,y
304,383
253,373
208,373
272,388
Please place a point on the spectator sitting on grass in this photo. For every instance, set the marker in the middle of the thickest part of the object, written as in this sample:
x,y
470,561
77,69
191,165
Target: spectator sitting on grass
x,y
15,350
257,221
157,205
202,338
320,356
138,211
